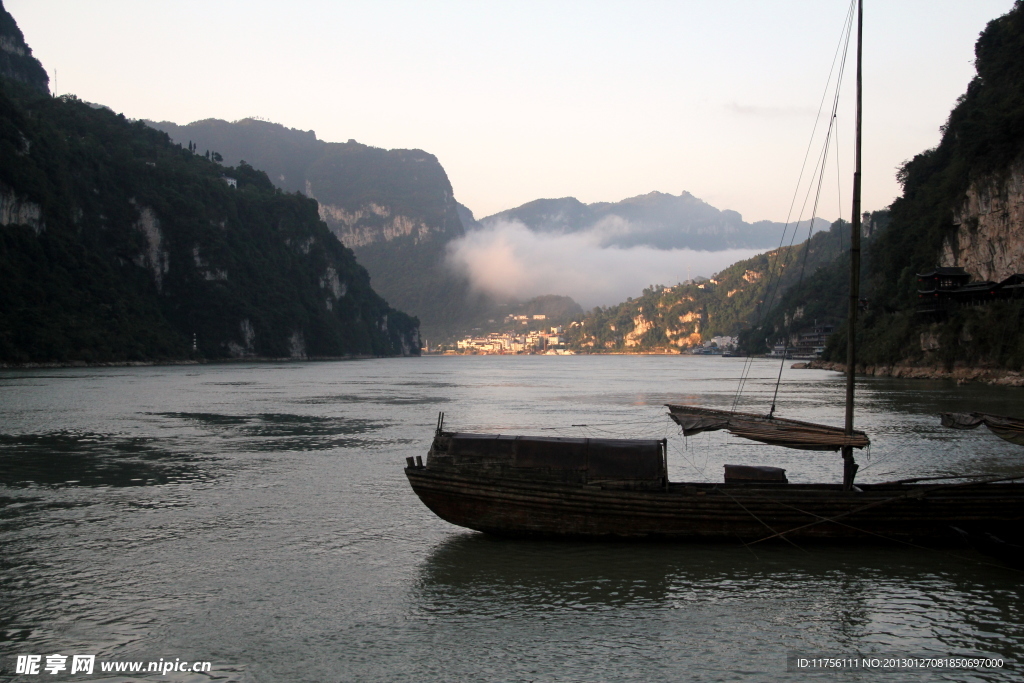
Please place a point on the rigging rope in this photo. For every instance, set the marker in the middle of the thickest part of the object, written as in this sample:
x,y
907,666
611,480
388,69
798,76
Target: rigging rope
x,y
776,269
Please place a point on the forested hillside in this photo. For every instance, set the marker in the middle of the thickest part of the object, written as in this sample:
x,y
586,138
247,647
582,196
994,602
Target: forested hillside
x,y
394,208
972,179
730,303
822,294
117,245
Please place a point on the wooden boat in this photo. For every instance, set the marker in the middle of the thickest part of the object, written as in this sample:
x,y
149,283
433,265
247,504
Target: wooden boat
x,y
615,488
618,489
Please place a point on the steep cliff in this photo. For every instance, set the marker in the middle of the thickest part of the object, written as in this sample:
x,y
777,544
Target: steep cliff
x,y
16,60
963,193
394,208
961,206
118,245
988,241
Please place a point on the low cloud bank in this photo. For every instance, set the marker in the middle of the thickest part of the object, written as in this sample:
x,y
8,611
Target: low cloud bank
x,y
508,259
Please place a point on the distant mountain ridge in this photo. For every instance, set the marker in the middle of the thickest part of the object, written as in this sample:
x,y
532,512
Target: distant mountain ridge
x,y
394,208
657,219
366,194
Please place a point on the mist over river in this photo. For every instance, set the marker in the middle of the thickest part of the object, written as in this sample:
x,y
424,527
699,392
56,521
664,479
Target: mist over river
x,y
256,516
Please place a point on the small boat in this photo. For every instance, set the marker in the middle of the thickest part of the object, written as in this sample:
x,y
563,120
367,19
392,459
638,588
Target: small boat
x,y
619,488
1009,428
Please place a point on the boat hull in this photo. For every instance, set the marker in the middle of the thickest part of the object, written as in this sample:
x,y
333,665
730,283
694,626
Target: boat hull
x,y
750,512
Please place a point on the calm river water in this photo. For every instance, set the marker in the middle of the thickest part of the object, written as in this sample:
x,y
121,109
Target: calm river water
x,y
256,516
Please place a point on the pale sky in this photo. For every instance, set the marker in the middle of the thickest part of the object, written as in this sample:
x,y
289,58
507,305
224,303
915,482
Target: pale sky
x,y
523,100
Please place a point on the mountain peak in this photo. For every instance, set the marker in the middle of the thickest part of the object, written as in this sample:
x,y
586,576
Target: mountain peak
x,y
16,60
657,219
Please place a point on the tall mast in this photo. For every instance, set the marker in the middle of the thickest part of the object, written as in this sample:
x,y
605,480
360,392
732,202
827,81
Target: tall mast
x,y
849,465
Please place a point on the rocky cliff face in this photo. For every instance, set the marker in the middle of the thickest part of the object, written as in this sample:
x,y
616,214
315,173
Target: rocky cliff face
x,y
372,196
989,238
367,195
370,224
17,210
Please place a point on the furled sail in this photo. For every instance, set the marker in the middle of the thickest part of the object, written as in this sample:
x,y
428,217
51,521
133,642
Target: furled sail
x,y
1009,428
770,430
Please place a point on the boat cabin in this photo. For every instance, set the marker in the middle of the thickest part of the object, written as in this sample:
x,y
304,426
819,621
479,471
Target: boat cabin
x,y
610,463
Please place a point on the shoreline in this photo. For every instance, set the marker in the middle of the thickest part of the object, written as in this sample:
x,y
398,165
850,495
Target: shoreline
x,y
961,374
590,353
156,363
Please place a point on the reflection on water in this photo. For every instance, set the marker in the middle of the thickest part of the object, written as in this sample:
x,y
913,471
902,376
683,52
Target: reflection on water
x,y
257,516
819,600
87,459
507,574
282,431
276,423
504,575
